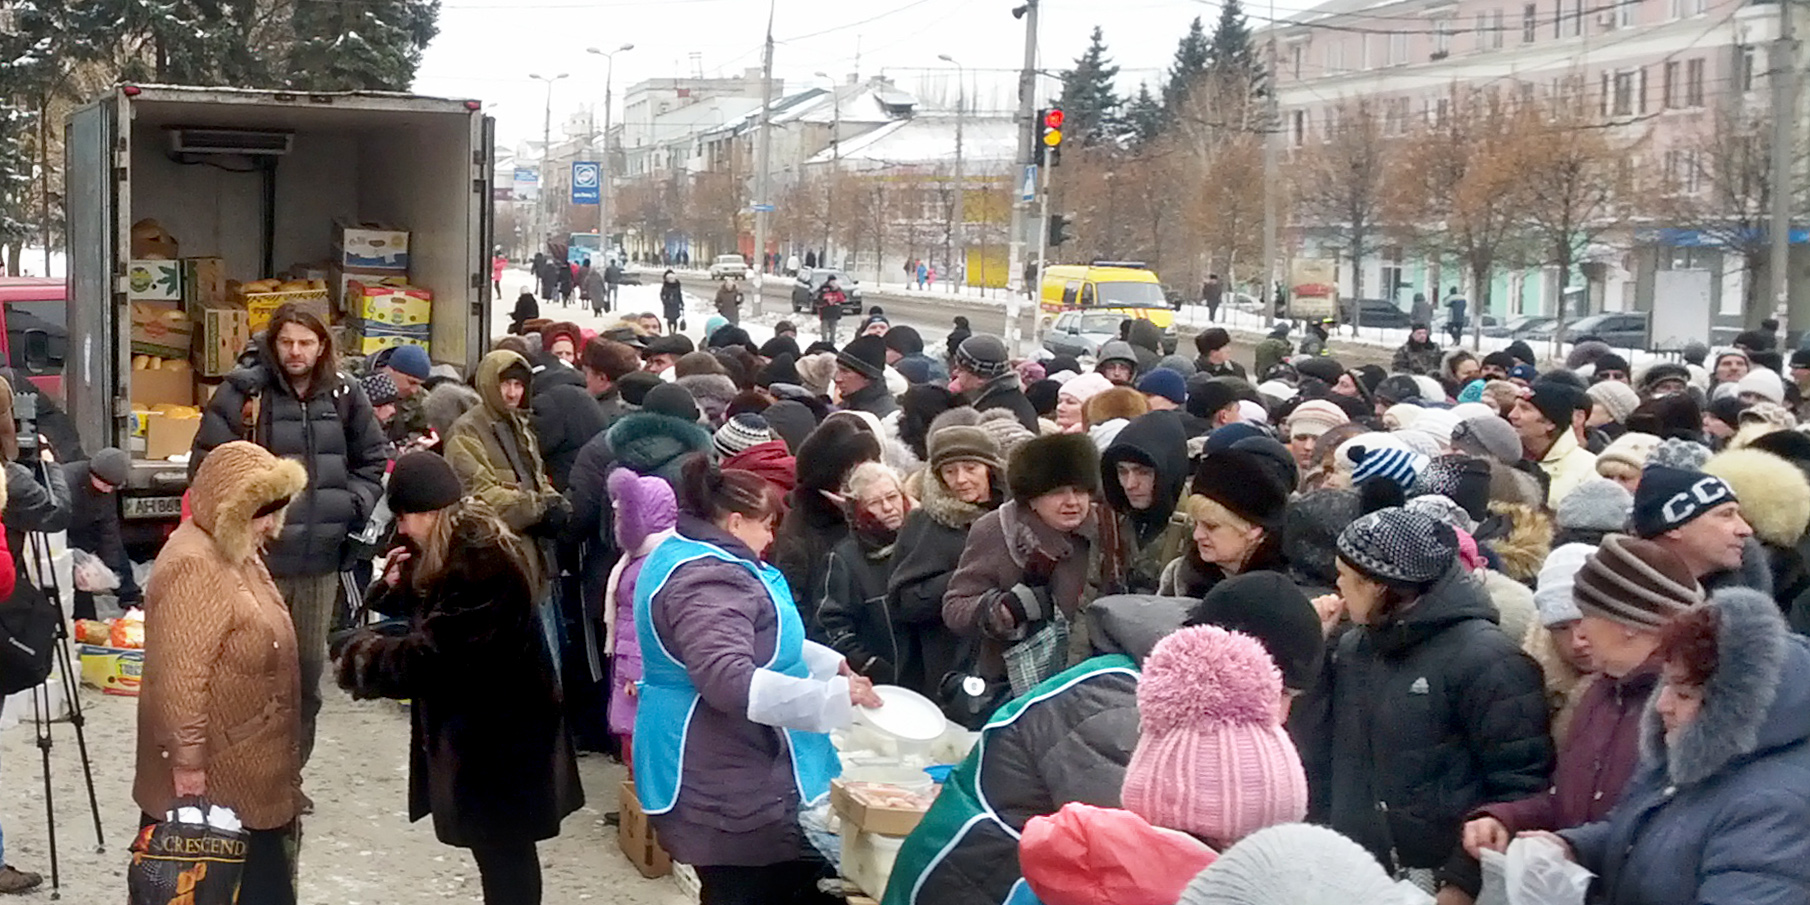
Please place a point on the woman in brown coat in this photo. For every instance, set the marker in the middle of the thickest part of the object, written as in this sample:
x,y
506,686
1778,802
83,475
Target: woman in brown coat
x,y
218,711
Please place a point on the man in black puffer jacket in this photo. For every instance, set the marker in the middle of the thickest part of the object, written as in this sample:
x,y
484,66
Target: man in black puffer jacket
x,y
292,402
566,416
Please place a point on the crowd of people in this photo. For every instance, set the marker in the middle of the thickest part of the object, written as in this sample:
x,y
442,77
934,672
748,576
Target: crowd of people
x,y
1187,607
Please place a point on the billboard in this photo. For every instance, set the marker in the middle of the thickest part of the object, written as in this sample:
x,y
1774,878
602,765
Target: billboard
x,y
1313,288
527,184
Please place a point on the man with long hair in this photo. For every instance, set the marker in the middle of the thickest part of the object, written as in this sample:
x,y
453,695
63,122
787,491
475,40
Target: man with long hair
x,y
293,402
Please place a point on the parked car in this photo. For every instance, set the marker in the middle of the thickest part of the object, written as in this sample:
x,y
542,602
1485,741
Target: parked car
x,y
1081,333
1490,322
1373,313
804,290
1621,329
729,266
1520,326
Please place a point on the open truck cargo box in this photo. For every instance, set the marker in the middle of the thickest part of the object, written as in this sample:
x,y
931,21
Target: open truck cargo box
x,y
258,179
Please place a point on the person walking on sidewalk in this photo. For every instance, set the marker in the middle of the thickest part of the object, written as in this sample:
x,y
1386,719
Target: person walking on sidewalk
x,y
292,402
729,301
672,301
829,301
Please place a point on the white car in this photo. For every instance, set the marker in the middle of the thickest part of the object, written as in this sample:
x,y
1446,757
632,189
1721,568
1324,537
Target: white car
x,y
729,266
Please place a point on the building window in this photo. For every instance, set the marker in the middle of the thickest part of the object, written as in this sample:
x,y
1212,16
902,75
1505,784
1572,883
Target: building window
x,y
1684,169
1603,96
1298,127
1558,18
1684,9
1482,31
1398,48
1296,54
1576,19
1624,93
1442,109
1496,30
1624,14
1745,65
1693,82
1530,21
1442,38
1670,84
1527,94
1335,58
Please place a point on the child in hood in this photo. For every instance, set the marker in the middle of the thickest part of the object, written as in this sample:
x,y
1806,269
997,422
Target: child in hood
x,y
646,514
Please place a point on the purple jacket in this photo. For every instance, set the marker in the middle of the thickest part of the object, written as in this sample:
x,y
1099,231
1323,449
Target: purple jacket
x,y
740,801
645,511
1599,757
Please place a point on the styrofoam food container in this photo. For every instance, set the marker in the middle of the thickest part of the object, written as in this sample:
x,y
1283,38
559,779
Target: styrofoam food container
x,y
906,716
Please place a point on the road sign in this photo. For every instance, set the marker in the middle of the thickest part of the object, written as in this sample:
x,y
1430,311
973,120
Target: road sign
x,y
527,184
586,179
761,208
1027,189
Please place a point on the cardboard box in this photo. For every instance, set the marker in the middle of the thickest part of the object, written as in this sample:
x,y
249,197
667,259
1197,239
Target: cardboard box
x,y
370,246
636,837
262,305
203,282
341,280
167,435
151,388
361,342
389,306
154,280
221,333
113,670
160,329
853,801
868,858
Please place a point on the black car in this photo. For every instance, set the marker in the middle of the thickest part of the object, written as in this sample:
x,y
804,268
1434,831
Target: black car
x,y
1373,313
1621,329
804,290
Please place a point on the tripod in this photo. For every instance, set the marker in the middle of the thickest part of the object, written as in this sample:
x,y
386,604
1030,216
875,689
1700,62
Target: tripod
x,y
42,573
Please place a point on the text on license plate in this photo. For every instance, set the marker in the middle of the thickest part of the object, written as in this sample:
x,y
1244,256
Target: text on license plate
x,y
152,507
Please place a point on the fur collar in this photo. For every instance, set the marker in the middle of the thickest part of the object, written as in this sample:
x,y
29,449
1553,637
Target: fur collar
x,y
942,506
1026,535
1524,548
1751,647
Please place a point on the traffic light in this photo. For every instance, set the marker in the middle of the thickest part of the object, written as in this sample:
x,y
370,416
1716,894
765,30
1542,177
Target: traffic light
x,y
1058,230
1049,136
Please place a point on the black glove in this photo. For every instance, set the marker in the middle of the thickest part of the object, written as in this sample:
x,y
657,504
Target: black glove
x,y
554,519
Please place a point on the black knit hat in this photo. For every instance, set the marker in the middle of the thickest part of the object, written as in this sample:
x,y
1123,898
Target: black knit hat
x,y
1634,582
635,386
782,369
1326,369
671,399
1268,607
904,340
1399,545
1397,388
1208,394
1462,479
865,355
1244,483
1557,400
1043,464
1669,498
983,355
779,345
423,482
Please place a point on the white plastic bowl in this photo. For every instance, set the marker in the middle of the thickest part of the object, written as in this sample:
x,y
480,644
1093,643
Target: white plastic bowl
x,y
907,716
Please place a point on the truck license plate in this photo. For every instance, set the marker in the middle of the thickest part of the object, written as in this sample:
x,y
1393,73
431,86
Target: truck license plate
x,y
152,506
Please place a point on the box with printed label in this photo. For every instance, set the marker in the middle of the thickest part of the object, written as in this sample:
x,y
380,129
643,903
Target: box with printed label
x,y
636,836
364,342
175,386
221,333
390,306
161,329
113,670
260,306
203,282
154,280
370,246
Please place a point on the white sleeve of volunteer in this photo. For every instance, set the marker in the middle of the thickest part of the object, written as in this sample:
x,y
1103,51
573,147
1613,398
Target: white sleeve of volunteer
x,y
807,705
823,660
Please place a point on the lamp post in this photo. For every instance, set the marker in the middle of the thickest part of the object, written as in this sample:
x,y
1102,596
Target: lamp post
x,y
829,204
603,175
546,153
959,266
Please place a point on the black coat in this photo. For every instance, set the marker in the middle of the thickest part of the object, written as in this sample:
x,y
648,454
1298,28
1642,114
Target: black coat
x,y
854,614
332,433
875,399
1433,713
672,299
489,756
566,417
929,548
1006,392
94,526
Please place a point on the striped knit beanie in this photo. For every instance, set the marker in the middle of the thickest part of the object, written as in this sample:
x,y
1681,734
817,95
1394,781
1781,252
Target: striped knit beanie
x,y
1403,466
741,432
1636,583
1212,758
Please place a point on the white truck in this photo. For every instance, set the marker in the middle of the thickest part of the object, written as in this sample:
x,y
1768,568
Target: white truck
x,y
258,178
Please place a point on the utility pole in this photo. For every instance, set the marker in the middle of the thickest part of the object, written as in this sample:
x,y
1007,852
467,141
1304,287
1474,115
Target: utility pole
x,y
1021,208
1271,126
829,205
763,178
543,225
1783,76
959,266
603,169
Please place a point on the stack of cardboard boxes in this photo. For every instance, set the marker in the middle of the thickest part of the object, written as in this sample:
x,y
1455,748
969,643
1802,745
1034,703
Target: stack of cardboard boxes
x,y
158,284
371,277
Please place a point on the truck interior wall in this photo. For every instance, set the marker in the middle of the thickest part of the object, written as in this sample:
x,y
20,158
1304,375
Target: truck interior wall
x,y
418,175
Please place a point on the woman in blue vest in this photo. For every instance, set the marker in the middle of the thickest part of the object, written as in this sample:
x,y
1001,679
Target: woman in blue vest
x,y
735,703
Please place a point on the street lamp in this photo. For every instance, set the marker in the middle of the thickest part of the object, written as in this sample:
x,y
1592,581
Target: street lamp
x,y
546,153
829,213
603,176
959,266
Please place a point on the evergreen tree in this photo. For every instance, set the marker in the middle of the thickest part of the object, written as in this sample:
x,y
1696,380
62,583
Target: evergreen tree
x,y
1088,99
360,45
188,42
18,221
1192,56
1232,56
1144,117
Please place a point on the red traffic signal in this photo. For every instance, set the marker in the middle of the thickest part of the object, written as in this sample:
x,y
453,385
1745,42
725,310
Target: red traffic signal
x,y
1053,119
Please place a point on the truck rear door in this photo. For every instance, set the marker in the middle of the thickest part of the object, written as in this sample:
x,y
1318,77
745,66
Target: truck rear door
x,y
91,187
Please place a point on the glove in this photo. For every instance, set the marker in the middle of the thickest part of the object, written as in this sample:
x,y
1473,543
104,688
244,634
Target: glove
x,y
554,519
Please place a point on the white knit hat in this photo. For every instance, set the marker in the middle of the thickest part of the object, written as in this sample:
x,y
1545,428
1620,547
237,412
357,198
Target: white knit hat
x,y
1557,577
1315,417
1298,864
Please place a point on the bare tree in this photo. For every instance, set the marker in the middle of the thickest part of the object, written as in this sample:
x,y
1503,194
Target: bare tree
x,y
1574,182
1339,184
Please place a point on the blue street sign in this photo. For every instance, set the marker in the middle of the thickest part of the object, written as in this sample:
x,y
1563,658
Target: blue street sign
x,y
587,178
1027,189
761,208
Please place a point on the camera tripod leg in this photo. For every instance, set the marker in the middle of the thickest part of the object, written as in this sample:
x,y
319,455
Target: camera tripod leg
x,y
80,720
40,711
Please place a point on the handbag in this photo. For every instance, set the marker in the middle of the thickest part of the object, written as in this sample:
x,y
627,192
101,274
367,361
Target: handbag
x,y
1040,656
195,856
968,698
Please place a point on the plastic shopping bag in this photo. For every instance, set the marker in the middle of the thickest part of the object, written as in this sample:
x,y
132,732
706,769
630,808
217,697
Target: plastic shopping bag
x,y
93,575
1533,872
194,856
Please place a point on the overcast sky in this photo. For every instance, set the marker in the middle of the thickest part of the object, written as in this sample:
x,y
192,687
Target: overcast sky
x,y
488,48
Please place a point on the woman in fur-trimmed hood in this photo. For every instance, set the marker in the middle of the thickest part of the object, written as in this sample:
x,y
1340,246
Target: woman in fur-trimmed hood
x,y
1715,813
219,711
493,447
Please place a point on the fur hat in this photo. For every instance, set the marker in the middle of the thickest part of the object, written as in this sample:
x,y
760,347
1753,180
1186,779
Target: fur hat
x,y
1774,494
1679,453
832,451
1212,758
713,393
1244,483
1310,533
1661,372
1045,464
445,403
1114,404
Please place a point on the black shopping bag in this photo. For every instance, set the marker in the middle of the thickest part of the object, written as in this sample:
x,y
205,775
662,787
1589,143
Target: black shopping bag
x,y
194,856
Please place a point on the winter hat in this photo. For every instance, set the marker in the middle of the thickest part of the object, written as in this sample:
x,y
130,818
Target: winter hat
x,y
962,441
1278,390
1763,383
1165,383
833,450
1207,395
1460,478
1397,463
1030,372
1252,412
1597,504
671,399
423,482
1270,608
1631,449
1298,864
713,393
1278,457
983,355
1419,441
1670,498
1006,430
865,355
1178,364
1045,464
1326,369
780,345
1487,435
1399,545
1554,592
817,372
1314,418
1430,388
1085,387
1212,758
1230,435
1043,395
741,432
697,363
1439,423
1244,483
1663,372
1310,533
1616,397
1402,415
1556,400
1777,493
1397,389
1115,350
1635,582
380,389
1731,353
1679,453
904,340
1442,509
1065,862
792,421
782,369
1768,414
112,465
1791,445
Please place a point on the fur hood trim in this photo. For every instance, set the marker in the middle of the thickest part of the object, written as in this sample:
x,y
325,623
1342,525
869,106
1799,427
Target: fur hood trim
x,y
1739,716
652,443
232,484
1523,550
1774,494
1115,404
941,505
